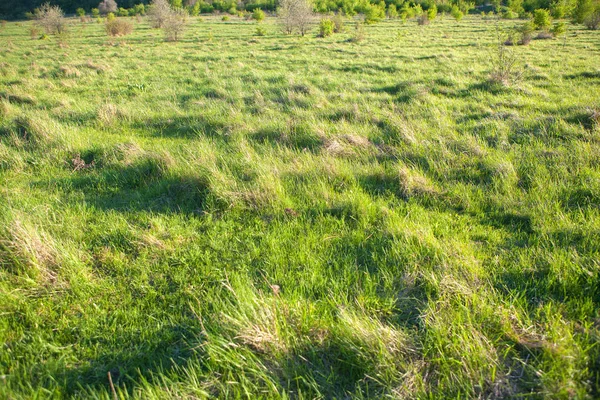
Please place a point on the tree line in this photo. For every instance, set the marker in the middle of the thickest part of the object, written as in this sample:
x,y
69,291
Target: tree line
x,y
11,9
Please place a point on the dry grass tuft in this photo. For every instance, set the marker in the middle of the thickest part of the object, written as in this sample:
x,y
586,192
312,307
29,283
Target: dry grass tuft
x,y
69,71
36,130
99,68
31,251
413,183
108,113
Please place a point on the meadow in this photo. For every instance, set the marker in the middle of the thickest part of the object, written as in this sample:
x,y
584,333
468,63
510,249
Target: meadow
x,y
277,216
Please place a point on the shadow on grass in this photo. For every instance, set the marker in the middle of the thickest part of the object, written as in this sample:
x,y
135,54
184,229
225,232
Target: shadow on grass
x,y
144,186
130,356
185,127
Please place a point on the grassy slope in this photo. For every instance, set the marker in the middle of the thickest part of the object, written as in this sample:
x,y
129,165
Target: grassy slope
x,y
428,232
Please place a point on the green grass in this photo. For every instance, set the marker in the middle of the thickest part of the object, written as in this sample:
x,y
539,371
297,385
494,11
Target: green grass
x,y
237,216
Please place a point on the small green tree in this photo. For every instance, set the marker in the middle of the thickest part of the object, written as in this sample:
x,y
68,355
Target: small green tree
x,y
432,12
338,21
95,12
326,27
559,29
139,9
374,13
258,15
80,12
542,19
583,9
195,9
392,12
456,13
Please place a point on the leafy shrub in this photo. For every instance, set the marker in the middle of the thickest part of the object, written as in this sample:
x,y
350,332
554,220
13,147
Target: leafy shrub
x,y
118,27
95,12
110,17
123,12
432,12
195,9
260,31
138,9
338,21
584,10
326,27
558,9
225,18
80,12
374,13
258,15
107,6
51,19
542,19
456,13
509,14
526,31
593,20
559,29
392,12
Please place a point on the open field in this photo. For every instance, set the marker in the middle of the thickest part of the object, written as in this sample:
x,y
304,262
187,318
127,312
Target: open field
x,y
239,216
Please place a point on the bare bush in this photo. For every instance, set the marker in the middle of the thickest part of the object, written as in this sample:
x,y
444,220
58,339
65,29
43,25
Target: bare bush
x,y
295,15
118,27
51,19
108,6
174,25
505,68
159,12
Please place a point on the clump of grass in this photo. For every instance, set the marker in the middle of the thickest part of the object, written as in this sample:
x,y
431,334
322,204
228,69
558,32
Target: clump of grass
x,y
35,130
413,183
108,114
69,71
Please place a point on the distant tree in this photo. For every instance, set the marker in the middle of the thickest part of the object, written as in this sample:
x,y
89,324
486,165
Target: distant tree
x,y
80,12
95,12
108,6
174,24
295,15
51,19
587,12
158,13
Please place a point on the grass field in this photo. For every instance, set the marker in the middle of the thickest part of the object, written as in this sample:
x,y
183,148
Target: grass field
x,y
238,216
